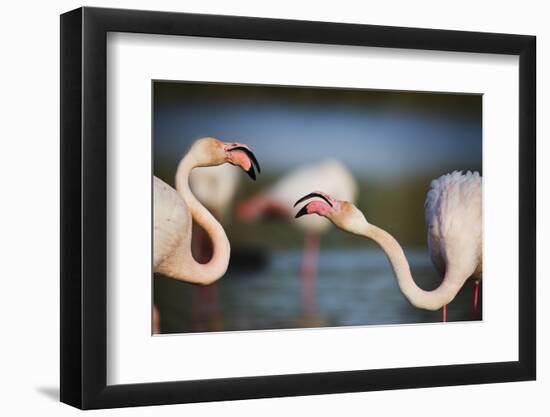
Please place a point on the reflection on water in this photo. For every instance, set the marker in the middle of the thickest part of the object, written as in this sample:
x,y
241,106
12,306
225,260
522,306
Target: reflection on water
x,y
353,287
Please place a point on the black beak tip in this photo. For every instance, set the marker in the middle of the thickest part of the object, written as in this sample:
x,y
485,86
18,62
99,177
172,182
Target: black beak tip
x,y
251,173
255,162
302,212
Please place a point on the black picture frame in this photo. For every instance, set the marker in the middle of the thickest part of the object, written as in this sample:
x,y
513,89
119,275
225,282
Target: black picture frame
x,y
84,207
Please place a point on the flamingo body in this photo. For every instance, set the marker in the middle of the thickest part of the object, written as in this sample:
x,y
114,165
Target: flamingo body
x,y
172,221
453,222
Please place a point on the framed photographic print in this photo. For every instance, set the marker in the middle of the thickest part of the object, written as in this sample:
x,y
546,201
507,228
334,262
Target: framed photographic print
x,y
258,208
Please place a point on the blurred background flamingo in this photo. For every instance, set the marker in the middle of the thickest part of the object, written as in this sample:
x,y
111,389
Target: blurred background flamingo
x,y
215,187
330,176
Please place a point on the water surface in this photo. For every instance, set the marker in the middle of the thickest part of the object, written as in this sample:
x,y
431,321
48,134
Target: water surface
x,y
353,287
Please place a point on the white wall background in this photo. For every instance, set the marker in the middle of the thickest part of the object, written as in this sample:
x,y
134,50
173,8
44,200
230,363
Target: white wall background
x,y
29,237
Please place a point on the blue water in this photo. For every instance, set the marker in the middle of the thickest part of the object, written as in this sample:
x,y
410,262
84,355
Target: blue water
x,y
353,287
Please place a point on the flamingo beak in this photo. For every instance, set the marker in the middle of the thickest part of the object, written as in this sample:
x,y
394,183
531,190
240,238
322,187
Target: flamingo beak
x,y
311,195
315,206
302,212
252,158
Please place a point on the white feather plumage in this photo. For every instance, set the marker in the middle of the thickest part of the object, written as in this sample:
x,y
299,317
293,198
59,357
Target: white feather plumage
x,y
454,223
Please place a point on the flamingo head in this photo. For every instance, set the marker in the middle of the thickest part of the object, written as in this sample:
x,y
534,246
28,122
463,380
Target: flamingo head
x,y
343,214
211,152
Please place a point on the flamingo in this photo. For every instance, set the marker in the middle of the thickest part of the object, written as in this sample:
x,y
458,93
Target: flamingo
x,y
175,210
330,176
215,188
453,220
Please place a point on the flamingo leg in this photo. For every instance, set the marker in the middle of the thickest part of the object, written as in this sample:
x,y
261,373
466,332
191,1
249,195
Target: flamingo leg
x,y
444,319
476,295
156,320
205,308
309,272
198,308
212,303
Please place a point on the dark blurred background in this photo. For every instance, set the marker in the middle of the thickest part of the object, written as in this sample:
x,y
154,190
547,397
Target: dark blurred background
x,y
394,144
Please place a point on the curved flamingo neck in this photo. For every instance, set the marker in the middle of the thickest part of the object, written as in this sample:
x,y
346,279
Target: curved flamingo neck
x,y
429,300
217,266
